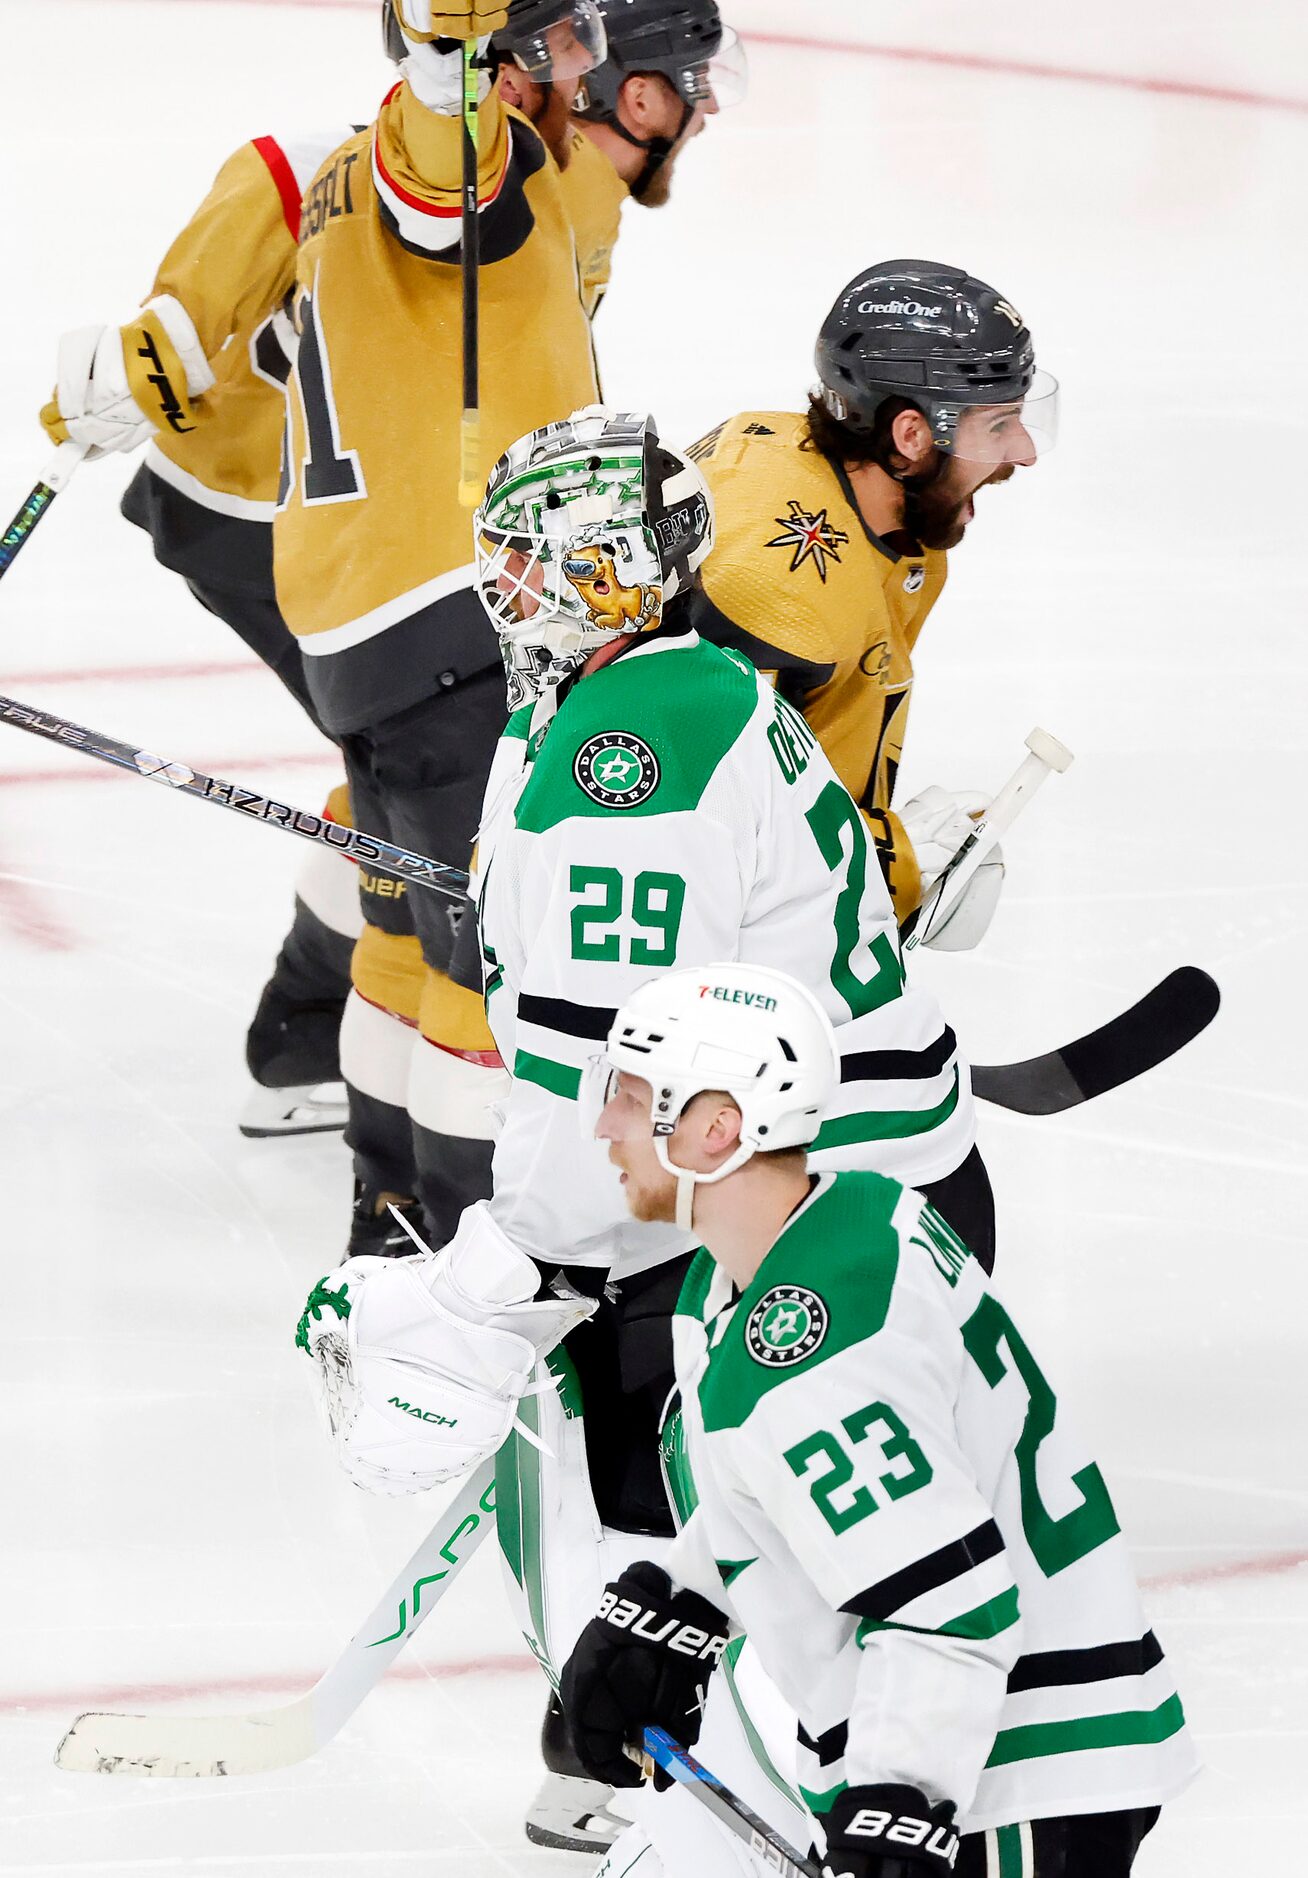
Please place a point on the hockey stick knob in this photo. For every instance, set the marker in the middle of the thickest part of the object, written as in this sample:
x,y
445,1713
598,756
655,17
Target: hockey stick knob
x,y
1049,750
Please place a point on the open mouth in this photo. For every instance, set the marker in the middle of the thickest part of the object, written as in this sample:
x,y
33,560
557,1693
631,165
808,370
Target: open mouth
x,y
601,586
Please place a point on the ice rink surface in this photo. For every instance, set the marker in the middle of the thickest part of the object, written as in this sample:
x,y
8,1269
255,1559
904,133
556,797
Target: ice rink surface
x,y
174,1530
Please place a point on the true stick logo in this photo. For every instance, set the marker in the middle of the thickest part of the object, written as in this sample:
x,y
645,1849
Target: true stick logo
x,y
616,770
786,1325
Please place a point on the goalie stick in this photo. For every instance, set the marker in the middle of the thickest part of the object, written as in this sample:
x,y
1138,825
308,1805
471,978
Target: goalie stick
x,y
660,1750
1161,1023
178,1746
57,475
354,843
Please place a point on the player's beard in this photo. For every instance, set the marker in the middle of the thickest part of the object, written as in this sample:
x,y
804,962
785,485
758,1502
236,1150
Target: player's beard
x,y
554,123
935,512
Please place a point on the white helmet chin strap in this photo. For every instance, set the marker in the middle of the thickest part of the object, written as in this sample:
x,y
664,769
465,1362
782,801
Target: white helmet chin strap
x,y
687,1181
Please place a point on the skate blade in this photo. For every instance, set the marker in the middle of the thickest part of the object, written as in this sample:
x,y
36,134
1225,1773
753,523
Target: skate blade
x,y
312,1109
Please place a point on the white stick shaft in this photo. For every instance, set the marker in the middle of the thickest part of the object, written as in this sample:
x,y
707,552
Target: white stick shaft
x,y
181,1746
59,470
1030,773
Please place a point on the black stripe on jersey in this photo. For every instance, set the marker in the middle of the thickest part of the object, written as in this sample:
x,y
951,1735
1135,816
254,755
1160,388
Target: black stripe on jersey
x,y
829,1746
899,1065
590,1021
1050,1669
881,1601
796,677
503,225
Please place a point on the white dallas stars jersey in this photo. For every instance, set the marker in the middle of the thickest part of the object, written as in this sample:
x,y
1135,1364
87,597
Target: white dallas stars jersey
x,y
922,1553
676,811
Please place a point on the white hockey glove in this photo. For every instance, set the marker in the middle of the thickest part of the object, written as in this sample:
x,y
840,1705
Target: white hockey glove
x,y
938,822
117,384
421,1361
435,76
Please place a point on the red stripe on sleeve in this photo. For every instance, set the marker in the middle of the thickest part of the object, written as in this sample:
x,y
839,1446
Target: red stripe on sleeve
x,y
284,177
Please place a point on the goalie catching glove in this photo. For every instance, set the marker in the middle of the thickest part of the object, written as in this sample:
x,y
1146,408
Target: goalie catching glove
x,y
643,1661
888,1832
938,822
117,384
421,1361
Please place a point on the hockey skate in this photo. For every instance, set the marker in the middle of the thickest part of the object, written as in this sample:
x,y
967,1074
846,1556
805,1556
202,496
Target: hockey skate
x,y
570,1811
312,1108
375,1234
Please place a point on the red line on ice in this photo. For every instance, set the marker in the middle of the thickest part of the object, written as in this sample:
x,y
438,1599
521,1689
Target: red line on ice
x,y
961,62
132,1695
133,674
26,914
102,772
1268,1565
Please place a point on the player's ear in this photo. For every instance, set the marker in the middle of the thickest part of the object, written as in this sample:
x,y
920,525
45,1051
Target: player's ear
x,y
637,103
724,1128
911,439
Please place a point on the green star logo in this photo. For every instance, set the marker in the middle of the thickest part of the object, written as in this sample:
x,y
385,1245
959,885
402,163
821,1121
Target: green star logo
x,y
787,1324
616,769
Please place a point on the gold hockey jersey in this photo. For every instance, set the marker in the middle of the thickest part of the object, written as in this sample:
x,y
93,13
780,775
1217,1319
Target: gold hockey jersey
x,y
208,496
830,611
372,552
594,194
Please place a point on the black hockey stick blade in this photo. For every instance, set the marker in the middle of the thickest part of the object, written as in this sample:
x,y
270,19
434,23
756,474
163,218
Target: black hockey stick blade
x,y
1163,1022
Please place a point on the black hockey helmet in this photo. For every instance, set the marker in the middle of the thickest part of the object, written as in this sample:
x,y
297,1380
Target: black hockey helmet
x,y
685,41
547,39
940,338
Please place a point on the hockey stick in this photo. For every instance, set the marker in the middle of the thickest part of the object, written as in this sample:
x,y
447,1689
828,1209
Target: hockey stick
x,y
1047,754
352,842
470,233
58,475
660,1750
180,1746
1163,1022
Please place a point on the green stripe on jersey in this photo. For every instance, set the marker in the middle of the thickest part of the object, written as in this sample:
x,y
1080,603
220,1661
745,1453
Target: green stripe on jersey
x,y
1132,1729
844,1131
558,1078
685,701
987,1620
823,1802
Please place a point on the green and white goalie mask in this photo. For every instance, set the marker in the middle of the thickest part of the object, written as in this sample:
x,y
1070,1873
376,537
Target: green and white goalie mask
x,y
587,529
754,1033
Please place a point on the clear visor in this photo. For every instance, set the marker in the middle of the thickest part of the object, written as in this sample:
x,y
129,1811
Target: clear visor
x,y
1014,433
599,1080
572,46
719,82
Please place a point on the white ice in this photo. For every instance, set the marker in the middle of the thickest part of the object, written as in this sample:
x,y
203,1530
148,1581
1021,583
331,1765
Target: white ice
x,y
173,1527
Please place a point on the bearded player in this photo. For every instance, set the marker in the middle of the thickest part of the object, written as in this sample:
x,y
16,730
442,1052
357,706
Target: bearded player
x,y
834,528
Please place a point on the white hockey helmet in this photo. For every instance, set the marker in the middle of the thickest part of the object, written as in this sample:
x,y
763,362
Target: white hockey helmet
x,y
757,1034
587,529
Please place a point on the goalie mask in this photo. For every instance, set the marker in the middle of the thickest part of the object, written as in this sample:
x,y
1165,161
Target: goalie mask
x,y
587,529
752,1032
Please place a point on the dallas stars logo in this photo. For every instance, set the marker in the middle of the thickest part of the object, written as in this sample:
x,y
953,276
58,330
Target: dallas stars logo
x,y
786,1325
812,537
617,770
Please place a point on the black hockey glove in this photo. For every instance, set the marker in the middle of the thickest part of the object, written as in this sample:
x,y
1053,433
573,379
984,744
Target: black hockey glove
x,y
643,1661
889,1832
